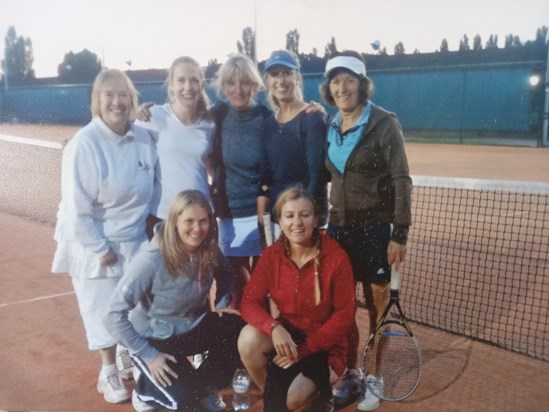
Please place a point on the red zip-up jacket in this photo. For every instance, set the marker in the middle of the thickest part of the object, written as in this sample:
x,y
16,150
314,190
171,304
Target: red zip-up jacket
x,y
292,289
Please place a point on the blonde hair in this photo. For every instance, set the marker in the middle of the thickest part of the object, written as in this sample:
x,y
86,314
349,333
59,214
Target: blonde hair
x,y
294,193
204,102
242,64
171,246
298,90
117,76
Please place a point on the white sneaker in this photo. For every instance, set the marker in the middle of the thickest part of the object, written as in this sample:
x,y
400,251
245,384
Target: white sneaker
x,y
124,363
113,389
367,401
139,405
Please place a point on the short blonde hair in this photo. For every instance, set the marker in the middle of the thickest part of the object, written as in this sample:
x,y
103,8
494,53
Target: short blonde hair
x,y
170,243
242,64
117,76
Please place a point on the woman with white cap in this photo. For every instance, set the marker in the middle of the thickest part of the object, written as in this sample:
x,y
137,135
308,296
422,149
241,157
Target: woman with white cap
x,y
370,194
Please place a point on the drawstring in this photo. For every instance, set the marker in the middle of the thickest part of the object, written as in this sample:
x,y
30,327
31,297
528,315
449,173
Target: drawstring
x,y
316,260
318,291
317,288
199,270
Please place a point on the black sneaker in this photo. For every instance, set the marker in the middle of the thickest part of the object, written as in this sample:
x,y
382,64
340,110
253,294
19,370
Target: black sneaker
x,y
347,389
322,404
213,402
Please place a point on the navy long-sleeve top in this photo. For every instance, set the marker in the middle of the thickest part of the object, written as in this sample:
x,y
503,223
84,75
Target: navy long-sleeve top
x,y
237,159
295,152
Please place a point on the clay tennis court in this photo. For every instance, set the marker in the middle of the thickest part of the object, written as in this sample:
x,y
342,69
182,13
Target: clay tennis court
x,y
45,362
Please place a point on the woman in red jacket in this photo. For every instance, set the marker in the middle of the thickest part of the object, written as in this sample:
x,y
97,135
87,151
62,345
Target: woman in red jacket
x,y
309,277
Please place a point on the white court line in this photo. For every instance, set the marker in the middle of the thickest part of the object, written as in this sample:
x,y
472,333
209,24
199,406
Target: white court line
x,y
29,141
2,305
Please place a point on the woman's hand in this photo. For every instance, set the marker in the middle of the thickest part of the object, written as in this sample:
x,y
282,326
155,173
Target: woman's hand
x,y
229,310
143,112
284,362
109,258
284,344
396,253
161,371
313,106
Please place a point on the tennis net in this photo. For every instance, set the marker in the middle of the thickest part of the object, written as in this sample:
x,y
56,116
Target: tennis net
x,y
477,261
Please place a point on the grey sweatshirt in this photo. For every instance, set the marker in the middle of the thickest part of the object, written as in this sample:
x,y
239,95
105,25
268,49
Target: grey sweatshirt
x,y
168,305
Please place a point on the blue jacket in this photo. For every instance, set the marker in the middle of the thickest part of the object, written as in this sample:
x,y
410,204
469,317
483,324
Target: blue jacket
x,y
294,152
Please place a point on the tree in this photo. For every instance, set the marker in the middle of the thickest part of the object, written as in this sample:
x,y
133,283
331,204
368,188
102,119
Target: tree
x,y
477,42
330,49
541,35
312,63
512,41
292,41
247,46
492,42
211,69
399,48
19,57
464,43
444,46
81,67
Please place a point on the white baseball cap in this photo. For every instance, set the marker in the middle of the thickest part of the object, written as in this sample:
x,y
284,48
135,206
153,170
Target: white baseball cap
x,y
351,63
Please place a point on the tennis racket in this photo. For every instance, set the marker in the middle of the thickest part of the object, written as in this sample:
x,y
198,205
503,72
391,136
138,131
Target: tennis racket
x,y
268,229
392,360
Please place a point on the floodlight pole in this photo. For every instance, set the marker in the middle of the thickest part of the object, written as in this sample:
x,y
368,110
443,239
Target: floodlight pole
x,y
5,71
544,137
255,31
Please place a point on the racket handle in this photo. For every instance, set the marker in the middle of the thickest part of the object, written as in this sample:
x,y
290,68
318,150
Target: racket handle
x,y
395,278
267,229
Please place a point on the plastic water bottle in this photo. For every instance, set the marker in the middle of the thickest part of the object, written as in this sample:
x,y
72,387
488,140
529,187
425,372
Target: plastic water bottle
x,y
241,385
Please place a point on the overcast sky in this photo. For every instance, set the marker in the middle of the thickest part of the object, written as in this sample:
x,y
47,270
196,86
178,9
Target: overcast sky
x,y
151,33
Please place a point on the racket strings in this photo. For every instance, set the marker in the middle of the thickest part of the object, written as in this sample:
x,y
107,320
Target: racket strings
x,y
392,363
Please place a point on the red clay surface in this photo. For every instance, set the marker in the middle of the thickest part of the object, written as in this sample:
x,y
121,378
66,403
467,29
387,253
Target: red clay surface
x,y
482,162
46,365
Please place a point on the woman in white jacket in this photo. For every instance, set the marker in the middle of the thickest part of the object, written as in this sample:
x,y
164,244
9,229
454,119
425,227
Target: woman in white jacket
x,y
106,187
